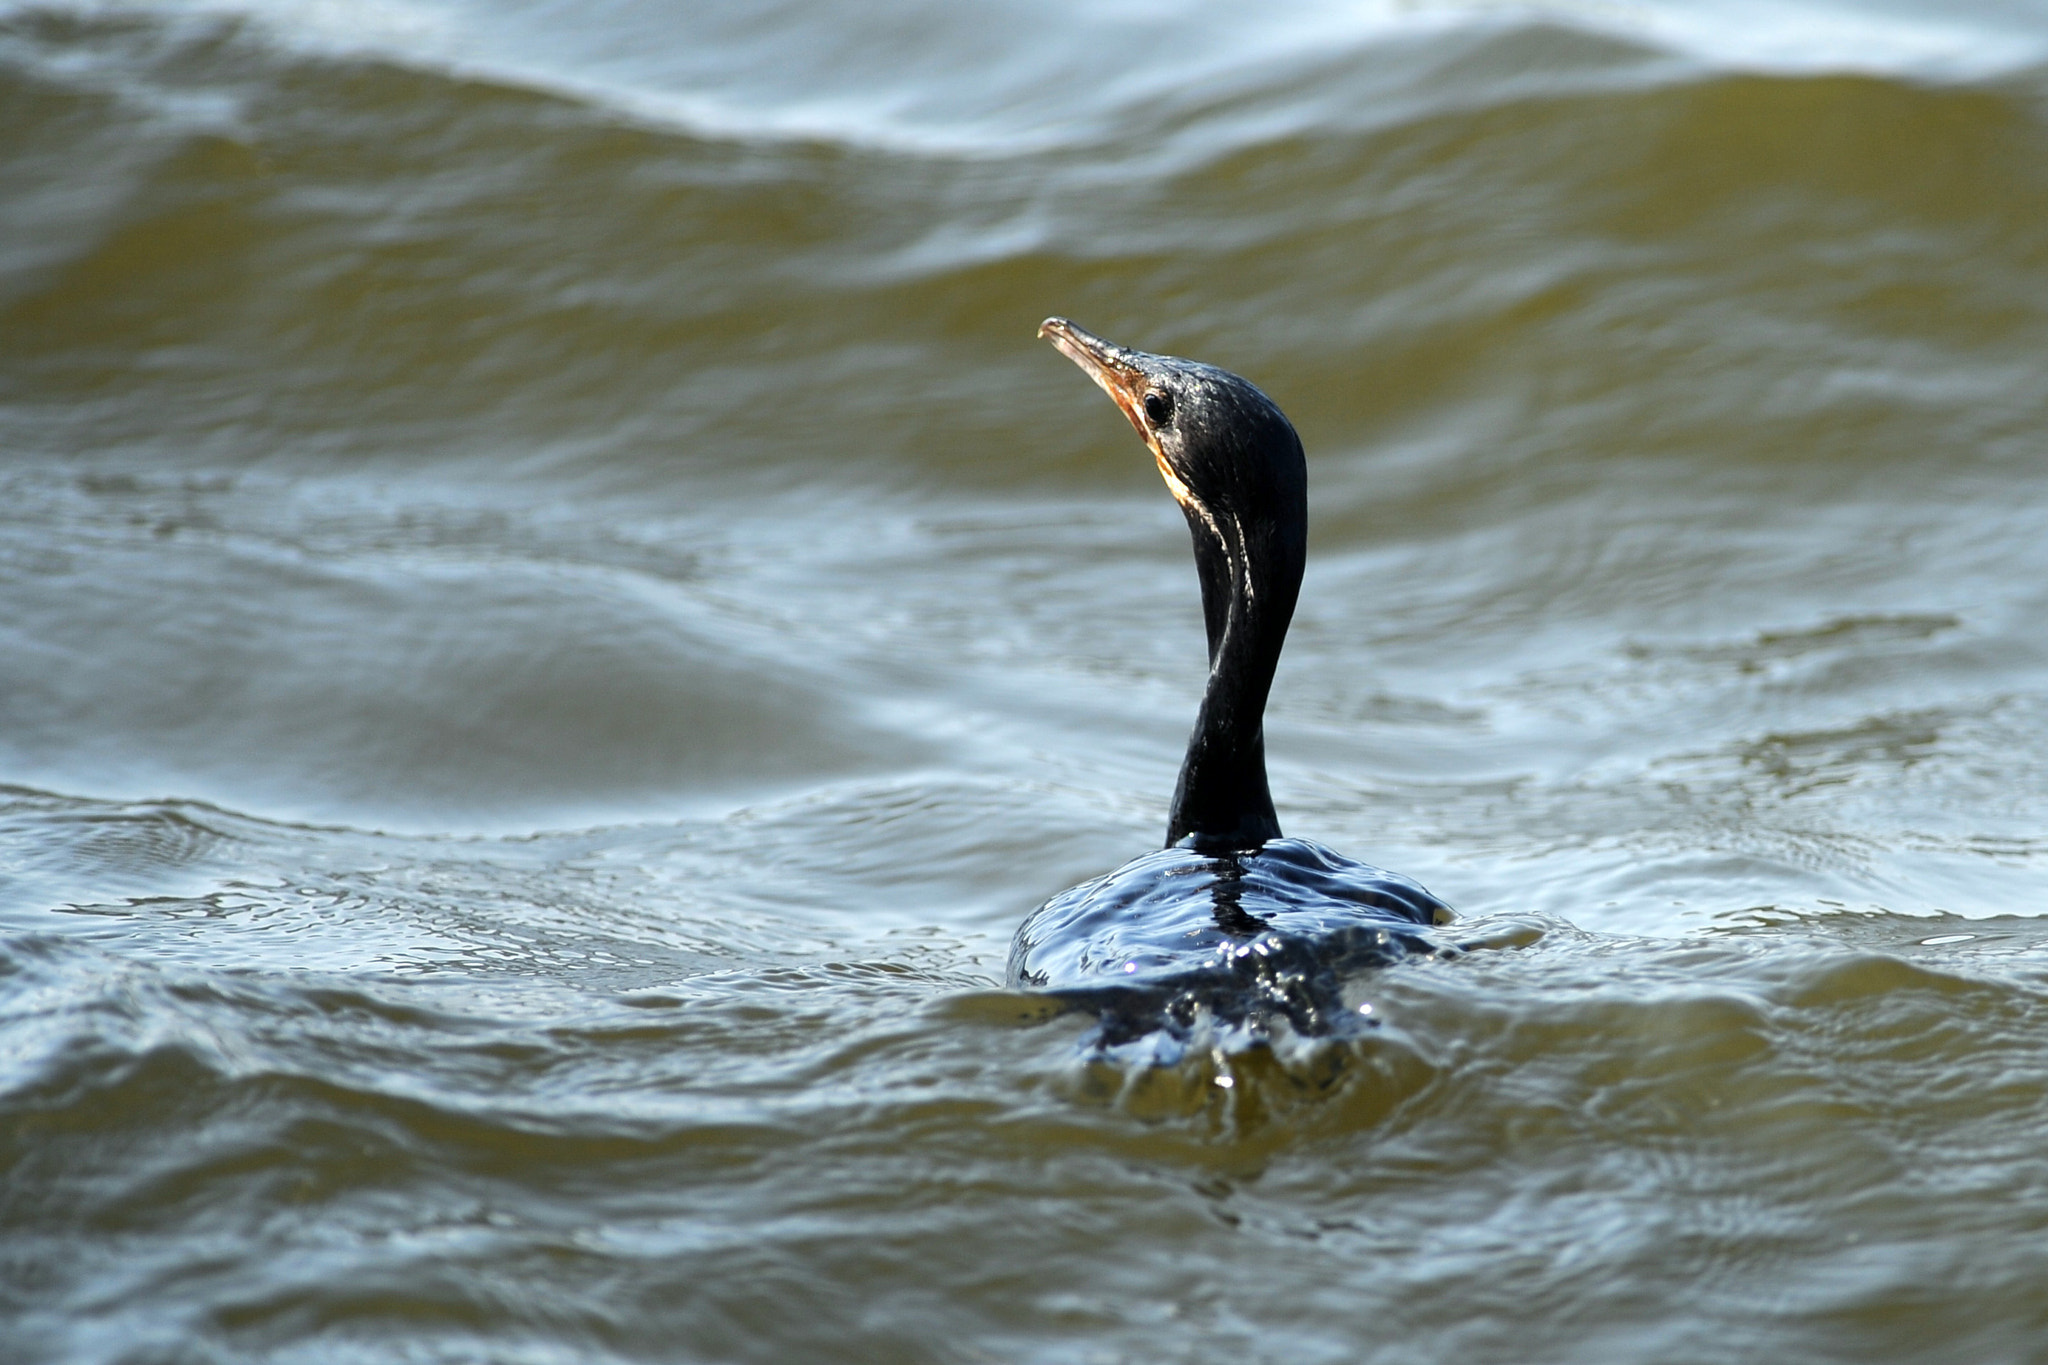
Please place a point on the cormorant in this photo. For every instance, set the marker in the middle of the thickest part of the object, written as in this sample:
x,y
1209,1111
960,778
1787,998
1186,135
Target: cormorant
x,y
1230,919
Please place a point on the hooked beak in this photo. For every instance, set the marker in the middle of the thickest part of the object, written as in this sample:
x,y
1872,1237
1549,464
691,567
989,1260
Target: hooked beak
x,y
1111,366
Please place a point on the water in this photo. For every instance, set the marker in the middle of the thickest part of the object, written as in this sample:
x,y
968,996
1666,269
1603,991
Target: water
x,y
556,618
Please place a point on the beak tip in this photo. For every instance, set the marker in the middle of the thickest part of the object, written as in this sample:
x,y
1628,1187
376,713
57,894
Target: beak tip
x,y
1049,326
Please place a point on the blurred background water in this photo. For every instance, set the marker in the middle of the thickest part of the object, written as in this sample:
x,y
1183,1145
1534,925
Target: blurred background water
x,y
554,617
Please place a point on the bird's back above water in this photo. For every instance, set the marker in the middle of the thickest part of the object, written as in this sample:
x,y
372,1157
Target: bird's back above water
x,y
1249,938
1230,921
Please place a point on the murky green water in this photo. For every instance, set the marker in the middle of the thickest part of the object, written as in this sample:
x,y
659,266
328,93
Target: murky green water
x,y
554,618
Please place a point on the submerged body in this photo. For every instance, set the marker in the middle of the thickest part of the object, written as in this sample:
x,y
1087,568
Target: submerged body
x,y
1230,921
1243,938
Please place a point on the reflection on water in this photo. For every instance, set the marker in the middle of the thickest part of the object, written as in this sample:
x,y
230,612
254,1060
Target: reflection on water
x,y
554,619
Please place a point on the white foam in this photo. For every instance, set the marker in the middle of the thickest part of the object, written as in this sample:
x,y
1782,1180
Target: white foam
x,y
1811,37
930,76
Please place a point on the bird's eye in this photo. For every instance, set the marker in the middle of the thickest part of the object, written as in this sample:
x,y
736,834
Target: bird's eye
x,y
1158,407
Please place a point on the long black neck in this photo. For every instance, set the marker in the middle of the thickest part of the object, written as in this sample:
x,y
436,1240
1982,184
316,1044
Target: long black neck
x,y
1251,575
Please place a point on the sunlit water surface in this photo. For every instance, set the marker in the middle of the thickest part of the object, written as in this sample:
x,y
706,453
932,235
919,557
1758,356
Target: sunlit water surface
x,y
554,618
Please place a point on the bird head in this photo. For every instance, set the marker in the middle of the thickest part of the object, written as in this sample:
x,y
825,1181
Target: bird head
x,y
1229,456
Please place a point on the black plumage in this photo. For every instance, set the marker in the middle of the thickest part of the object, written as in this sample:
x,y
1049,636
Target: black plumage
x,y
1230,919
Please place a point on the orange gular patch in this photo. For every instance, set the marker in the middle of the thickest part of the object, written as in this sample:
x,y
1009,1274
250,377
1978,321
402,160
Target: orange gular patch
x,y
1181,493
1124,382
